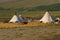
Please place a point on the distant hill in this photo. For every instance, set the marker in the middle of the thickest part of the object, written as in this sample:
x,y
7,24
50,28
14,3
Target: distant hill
x,y
52,7
26,3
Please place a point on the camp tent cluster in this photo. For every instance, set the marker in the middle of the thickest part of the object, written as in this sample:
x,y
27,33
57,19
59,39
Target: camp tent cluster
x,y
45,19
16,19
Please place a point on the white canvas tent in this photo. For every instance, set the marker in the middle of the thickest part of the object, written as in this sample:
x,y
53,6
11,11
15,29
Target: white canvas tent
x,y
21,18
16,19
46,18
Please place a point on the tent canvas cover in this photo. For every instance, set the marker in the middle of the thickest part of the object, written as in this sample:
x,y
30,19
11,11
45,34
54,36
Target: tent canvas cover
x,y
46,18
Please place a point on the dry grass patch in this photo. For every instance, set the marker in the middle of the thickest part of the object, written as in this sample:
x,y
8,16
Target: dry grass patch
x,y
11,25
14,25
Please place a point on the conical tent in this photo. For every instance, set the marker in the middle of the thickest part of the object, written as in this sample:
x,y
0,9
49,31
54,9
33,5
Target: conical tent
x,y
21,18
16,19
46,18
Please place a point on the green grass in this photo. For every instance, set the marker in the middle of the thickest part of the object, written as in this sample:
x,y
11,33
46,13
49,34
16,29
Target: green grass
x,y
9,13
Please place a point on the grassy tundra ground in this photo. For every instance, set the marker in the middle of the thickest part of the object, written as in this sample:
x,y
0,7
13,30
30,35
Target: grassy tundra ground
x,y
48,32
